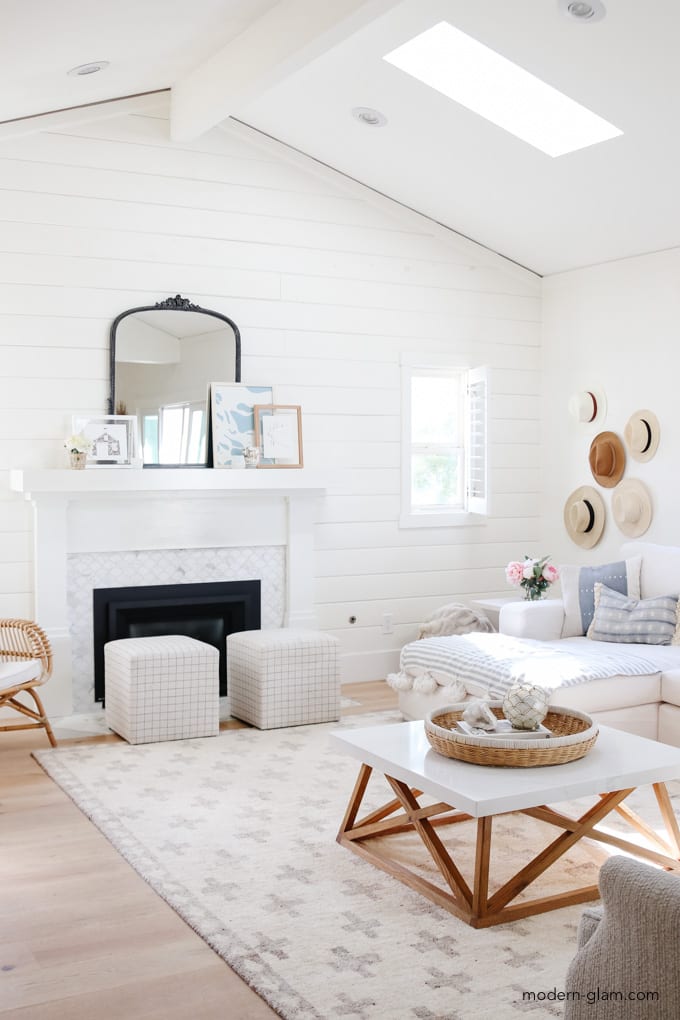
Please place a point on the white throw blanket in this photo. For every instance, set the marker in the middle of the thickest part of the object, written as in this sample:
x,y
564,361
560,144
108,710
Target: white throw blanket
x,y
454,618
488,664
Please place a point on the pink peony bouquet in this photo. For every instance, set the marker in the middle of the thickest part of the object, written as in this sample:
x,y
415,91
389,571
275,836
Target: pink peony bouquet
x,y
535,576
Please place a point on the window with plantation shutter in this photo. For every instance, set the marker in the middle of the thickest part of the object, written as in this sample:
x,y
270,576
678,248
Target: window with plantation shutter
x,y
444,444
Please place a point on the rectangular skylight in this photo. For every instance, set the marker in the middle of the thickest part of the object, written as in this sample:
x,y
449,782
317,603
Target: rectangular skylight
x,y
465,70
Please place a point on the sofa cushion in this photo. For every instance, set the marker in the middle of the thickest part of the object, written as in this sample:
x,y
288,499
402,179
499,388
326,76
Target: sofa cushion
x,y
19,671
669,725
578,590
627,620
611,693
660,572
670,686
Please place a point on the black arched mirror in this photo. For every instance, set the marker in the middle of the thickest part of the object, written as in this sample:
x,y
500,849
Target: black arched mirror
x,y
163,359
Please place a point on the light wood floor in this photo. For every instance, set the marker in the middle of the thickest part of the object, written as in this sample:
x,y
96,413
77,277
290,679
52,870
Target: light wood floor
x,y
82,936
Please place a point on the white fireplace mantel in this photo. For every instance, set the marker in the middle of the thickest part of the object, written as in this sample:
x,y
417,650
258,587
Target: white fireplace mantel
x,y
37,482
110,510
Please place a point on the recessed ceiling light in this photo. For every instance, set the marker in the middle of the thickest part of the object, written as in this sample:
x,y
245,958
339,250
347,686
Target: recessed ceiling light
x,y
581,11
92,68
482,80
372,118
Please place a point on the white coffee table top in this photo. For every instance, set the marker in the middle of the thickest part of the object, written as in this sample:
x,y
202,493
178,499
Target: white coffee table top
x,y
617,761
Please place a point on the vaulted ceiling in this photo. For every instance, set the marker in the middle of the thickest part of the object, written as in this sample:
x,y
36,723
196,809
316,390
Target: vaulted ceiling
x,y
295,69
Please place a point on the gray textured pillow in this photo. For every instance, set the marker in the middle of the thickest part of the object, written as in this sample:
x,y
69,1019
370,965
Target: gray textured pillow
x,y
633,621
578,590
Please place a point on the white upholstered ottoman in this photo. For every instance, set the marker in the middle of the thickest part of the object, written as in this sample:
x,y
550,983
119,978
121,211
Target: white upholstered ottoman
x,y
283,677
161,688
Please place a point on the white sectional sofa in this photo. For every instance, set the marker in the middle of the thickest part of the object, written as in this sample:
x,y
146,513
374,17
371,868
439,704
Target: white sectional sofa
x,y
647,703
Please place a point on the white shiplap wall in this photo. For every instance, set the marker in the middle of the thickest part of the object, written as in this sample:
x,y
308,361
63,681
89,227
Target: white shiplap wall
x,y
328,287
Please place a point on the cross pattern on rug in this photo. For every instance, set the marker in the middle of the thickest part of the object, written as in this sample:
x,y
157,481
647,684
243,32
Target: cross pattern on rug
x,y
237,833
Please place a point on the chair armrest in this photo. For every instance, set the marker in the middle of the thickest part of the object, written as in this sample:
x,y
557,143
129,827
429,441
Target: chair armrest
x,y
590,919
632,948
22,640
539,620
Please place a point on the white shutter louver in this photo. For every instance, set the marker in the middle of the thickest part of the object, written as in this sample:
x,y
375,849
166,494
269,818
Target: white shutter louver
x,y
477,459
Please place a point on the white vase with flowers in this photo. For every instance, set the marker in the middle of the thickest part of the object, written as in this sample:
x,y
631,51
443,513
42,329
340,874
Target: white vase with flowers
x,y
534,576
78,446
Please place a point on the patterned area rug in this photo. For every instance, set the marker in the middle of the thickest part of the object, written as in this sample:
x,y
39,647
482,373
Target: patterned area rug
x,y
237,833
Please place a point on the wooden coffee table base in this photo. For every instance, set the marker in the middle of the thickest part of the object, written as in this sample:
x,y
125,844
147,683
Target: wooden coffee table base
x,y
474,904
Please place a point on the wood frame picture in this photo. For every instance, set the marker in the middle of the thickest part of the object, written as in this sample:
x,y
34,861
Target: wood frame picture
x,y
278,435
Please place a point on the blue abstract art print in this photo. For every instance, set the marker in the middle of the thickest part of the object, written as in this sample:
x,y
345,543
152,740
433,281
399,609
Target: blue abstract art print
x,y
233,424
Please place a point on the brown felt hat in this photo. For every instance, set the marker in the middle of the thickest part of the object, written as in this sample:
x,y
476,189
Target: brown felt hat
x,y
607,459
584,515
642,433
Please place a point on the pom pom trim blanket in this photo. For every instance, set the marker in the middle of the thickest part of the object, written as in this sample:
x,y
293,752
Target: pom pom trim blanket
x,y
487,665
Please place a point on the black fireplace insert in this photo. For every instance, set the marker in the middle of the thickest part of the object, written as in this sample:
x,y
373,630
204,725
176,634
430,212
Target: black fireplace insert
x,y
206,611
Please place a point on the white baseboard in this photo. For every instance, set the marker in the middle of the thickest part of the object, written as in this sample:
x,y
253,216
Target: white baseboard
x,y
358,667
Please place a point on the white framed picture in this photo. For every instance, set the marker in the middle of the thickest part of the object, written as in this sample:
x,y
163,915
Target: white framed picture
x,y
232,420
278,435
113,438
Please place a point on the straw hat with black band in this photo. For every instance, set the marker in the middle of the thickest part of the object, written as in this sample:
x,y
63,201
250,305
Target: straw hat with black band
x,y
642,434
584,515
632,507
607,459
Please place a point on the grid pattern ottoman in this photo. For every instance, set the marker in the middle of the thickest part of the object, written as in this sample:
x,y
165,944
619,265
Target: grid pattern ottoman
x,y
283,677
161,688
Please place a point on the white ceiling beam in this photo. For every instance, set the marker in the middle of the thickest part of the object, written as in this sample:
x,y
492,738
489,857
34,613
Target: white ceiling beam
x,y
282,41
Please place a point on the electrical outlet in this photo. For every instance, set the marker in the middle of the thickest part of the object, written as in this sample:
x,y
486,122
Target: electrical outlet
x,y
387,623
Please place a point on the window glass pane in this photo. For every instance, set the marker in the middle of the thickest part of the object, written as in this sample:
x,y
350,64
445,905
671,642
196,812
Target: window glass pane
x,y
150,438
435,409
196,450
436,480
172,423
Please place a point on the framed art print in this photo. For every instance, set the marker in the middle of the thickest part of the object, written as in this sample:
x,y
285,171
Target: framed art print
x,y
232,420
113,438
278,435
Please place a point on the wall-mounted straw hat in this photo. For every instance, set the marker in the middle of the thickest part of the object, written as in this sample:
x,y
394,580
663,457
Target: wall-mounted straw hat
x,y
584,516
642,434
632,507
588,406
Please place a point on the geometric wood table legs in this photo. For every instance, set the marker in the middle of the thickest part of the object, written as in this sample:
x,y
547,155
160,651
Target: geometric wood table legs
x,y
472,903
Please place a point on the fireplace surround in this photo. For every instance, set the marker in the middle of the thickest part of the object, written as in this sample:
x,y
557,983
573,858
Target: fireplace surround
x,y
121,518
149,568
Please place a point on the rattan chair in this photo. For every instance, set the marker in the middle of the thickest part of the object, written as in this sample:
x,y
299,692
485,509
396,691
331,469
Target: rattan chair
x,y
25,663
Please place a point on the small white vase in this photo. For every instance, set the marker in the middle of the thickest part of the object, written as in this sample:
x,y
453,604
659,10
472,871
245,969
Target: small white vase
x,y
78,460
251,455
525,705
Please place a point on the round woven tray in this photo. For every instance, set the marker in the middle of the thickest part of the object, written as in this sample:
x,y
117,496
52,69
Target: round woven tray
x,y
575,734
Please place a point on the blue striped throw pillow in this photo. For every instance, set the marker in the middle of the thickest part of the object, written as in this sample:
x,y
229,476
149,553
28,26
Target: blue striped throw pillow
x,y
578,590
633,621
